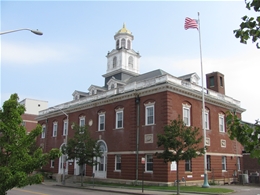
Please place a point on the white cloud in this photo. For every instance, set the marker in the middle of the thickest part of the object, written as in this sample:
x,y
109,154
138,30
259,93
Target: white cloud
x,y
241,73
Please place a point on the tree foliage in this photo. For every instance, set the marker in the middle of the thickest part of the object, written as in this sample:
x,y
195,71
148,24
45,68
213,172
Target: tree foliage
x,y
180,142
250,27
18,155
82,147
247,134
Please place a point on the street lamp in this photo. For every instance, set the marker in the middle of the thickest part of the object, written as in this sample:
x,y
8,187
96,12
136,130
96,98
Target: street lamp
x,y
65,142
37,32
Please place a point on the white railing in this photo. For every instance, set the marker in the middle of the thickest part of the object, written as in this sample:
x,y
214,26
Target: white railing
x,y
140,85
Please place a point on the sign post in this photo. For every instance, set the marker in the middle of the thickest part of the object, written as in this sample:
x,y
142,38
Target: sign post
x,y
143,162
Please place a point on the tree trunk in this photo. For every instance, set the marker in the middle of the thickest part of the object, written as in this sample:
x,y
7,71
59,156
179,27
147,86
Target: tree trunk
x,y
178,185
81,175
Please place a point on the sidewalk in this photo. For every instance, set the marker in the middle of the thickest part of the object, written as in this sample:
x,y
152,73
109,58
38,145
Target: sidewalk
x,y
118,190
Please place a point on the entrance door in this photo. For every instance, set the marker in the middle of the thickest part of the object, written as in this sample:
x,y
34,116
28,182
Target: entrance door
x,y
100,169
63,164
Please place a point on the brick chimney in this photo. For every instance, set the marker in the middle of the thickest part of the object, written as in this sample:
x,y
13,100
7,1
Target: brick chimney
x,y
216,82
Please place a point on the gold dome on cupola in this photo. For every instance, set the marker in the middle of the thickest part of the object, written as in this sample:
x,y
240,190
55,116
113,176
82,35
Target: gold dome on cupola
x,y
124,30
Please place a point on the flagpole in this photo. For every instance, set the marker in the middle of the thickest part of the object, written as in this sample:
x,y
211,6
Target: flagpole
x,y
205,184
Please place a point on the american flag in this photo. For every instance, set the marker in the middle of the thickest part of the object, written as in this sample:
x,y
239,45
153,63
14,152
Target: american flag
x,y
190,23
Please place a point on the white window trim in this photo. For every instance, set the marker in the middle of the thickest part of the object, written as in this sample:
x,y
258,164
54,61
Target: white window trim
x,y
186,107
116,158
224,163
52,162
149,105
55,130
121,110
65,127
82,118
150,171
100,115
206,119
221,117
43,131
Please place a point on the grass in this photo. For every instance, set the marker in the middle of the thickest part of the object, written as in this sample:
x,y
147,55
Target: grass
x,y
197,189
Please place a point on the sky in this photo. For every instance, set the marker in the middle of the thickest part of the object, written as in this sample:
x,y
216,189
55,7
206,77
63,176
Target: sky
x,y
71,53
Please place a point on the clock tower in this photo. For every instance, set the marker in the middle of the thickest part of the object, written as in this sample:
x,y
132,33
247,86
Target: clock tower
x,y
123,61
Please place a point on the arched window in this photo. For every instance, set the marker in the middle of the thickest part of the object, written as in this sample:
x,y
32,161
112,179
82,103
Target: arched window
x,y
130,62
123,43
114,62
117,44
128,44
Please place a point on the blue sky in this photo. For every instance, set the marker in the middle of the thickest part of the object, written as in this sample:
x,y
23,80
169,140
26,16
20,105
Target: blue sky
x,y
70,55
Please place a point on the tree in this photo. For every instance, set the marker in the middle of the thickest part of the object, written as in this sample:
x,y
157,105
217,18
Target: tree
x,y
180,142
82,148
18,155
250,27
246,134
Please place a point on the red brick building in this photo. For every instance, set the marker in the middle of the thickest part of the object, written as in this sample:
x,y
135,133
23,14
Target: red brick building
x,y
128,112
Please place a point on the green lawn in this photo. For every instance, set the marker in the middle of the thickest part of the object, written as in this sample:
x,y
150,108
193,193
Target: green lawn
x,y
213,190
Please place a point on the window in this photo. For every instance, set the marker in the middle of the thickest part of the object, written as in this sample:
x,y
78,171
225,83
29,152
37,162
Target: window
x,y
52,163
206,119
65,127
149,114
43,131
224,163
238,164
123,43
117,44
82,121
221,123
186,114
81,124
128,44
221,81
118,162
114,62
101,122
119,119
130,62
208,163
211,81
54,129
188,165
149,163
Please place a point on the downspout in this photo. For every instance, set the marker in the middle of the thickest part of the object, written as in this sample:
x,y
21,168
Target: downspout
x,y
137,102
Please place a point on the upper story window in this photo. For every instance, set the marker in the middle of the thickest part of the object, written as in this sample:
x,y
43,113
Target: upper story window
x,y
119,118
114,62
149,113
211,81
123,43
82,121
149,163
117,44
101,121
186,114
65,127
54,129
206,119
128,44
43,131
188,165
131,62
221,119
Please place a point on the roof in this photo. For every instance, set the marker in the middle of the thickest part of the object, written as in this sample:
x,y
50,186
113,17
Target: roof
x,y
124,30
147,75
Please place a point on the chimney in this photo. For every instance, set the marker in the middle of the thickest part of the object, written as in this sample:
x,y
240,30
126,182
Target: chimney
x,y
216,82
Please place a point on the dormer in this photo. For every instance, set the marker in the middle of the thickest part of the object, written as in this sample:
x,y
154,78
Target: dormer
x,y
193,78
79,94
114,83
93,89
